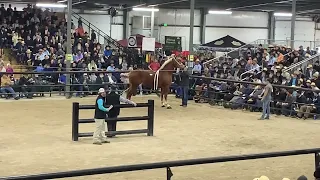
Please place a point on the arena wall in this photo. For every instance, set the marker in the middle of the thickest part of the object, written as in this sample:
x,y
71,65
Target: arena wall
x,y
305,31
245,26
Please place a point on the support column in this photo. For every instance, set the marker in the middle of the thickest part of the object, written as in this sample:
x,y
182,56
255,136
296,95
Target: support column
x,y
152,22
69,50
203,24
191,26
125,24
293,22
271,28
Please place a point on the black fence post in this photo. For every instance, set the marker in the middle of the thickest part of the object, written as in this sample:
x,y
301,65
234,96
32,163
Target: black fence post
x,y
151,117
169,173
75,121
317,159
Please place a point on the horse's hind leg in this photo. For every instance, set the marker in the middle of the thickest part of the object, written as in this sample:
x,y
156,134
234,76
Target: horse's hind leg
x,y
128,92
162,103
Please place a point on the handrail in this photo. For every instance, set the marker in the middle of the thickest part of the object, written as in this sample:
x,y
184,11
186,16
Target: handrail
x,y
100,32
167,164
300,63
251,70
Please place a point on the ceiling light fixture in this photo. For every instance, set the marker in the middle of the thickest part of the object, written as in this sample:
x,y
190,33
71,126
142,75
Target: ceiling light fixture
x,y
283,14
221,12
51,5
145,9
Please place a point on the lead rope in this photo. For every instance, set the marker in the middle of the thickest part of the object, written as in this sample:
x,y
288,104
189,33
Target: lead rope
x,y
156,80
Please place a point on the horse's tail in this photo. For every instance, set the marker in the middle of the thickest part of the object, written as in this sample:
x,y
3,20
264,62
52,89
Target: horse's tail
x,y
124,93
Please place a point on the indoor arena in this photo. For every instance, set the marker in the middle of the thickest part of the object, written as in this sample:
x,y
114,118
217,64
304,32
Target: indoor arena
x,y
160,89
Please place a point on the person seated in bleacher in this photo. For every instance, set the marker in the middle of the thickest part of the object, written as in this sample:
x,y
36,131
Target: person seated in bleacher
x,y
309,104
6,89
197,68
9,70
310,72
287,105
27,89
253,99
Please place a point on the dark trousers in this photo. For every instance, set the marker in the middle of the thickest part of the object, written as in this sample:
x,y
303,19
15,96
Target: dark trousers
x,y
112,126
185,95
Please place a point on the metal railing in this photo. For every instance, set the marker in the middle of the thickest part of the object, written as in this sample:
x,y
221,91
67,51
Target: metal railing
x,y
302,64
266,42
167,165
252,70
287,42
249,71
105,37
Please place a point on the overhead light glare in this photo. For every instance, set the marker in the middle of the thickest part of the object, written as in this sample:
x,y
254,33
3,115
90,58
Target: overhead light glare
x,y
62,1
220,12
51,5
145,9
283,14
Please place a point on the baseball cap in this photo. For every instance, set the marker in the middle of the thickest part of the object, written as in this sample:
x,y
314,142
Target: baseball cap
x,y
101,90
303,177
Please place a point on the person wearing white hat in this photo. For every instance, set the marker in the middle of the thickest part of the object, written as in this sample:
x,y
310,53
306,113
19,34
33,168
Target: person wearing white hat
x,y
262,178
99,135
310,72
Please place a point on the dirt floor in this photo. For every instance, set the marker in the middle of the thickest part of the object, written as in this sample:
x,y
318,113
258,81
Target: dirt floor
x,y
36,138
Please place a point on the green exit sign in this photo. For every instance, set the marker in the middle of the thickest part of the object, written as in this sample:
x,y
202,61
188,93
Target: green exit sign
x,y
165,24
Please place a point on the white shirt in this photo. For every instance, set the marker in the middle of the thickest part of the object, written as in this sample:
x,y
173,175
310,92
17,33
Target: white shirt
x,y
110,79
3,69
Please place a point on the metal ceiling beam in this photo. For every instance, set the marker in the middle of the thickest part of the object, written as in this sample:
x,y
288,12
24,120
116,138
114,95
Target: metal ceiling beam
x,y
303,6
308,8
257,4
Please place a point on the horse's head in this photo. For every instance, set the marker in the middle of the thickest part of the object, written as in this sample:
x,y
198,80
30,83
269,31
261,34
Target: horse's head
x,y
177,63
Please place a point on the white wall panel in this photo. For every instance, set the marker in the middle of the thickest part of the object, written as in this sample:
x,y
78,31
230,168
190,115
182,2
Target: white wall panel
x,y
243,34
170,16
117,32
304,32
239,19
178,17
317,36
181,32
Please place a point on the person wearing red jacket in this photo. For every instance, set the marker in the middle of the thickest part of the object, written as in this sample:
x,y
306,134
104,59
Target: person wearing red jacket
x,y
154,66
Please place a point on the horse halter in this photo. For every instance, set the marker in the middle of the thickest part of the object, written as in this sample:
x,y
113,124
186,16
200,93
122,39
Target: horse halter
x,y
179,63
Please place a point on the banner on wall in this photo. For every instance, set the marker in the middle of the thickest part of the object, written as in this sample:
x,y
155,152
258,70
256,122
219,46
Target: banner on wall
x,y
148,44
173,43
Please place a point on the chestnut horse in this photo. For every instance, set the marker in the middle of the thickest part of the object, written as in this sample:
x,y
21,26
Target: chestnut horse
x,y
161,79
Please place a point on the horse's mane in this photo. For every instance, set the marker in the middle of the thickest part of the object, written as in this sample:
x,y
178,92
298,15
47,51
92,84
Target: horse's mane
x,y
165,63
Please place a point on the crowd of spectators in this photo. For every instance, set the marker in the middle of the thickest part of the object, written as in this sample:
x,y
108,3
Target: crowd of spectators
x,y
256,66
38,40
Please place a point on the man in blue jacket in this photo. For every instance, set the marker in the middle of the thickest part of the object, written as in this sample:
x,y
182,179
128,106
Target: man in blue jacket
x,y
99,135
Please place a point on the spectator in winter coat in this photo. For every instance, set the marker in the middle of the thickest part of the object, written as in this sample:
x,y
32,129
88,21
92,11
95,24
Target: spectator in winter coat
x,y
6,88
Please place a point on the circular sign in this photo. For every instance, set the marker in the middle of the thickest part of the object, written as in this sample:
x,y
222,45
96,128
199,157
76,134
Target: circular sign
x,y
132,41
